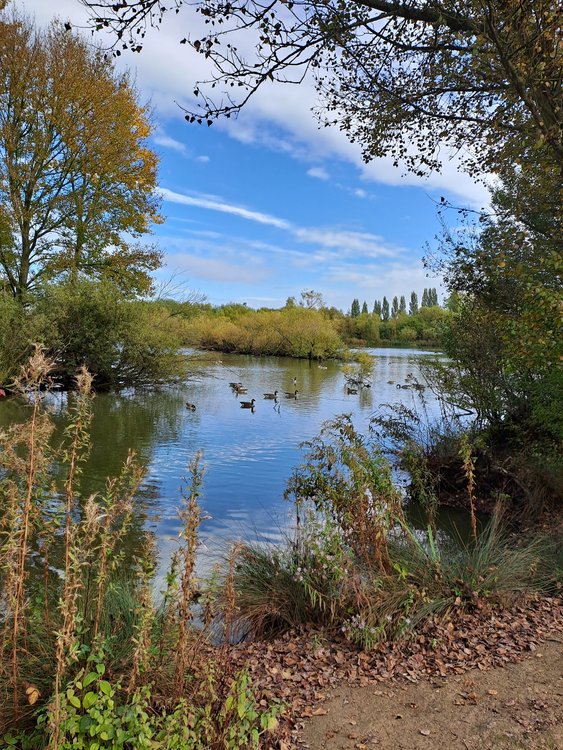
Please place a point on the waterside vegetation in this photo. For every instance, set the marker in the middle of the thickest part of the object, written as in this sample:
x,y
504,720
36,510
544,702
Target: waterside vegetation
x,y
91,658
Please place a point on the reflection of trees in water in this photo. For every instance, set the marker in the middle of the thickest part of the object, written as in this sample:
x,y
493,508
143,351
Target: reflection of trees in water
x,y
121,422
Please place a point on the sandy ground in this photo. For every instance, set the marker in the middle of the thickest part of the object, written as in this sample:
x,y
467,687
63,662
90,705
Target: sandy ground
x,y
518,706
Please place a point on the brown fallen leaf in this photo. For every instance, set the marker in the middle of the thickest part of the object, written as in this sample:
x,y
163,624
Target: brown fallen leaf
x,y
32,694
320,711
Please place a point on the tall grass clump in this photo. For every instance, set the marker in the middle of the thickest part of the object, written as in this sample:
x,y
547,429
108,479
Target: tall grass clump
x,y
354,565
88,660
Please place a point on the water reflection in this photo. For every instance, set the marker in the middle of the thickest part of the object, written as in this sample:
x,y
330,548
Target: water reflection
x,y
248,454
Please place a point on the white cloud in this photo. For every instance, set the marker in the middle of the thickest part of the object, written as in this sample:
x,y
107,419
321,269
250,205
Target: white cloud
x,y
277,116
166,141
203,159
226,208
319,173
345,242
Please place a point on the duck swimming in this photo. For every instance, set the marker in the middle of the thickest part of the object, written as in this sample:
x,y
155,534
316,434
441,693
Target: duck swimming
x,y
189,406
291,395
273,396
247,404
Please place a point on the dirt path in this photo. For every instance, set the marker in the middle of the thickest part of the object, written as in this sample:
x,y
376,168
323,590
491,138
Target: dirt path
x,y
518,707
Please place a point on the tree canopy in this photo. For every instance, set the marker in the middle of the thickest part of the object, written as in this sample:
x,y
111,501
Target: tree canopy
x,y
400,77
76,176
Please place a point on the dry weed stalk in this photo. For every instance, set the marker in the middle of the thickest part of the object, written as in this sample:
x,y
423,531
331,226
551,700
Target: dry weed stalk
x,y
465,449
25,477
191,517
78,435
141,660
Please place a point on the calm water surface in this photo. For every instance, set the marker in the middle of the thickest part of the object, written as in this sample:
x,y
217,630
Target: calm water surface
x,y
248,455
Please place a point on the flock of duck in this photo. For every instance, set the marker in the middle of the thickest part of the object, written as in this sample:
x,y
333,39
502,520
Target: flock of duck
x,y
239,389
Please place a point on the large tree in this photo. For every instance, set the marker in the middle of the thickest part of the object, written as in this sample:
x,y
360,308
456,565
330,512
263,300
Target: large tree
x,y
401,77
75,173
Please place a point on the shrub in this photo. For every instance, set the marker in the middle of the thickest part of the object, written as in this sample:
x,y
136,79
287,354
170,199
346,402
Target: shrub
x,y
122,342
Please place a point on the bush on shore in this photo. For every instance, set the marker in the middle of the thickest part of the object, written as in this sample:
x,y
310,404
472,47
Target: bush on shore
x,y
123,342
357,567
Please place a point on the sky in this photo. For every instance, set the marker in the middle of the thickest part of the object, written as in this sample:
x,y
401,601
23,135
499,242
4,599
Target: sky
x,y
262,207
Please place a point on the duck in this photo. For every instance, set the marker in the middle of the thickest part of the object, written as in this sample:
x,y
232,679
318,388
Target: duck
x,y
391,382
291,395
322,367
189,406
247,404
272,396
294,381
240,389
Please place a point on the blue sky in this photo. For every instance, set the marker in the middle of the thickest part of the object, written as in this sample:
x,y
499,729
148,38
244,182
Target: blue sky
x,y
265,206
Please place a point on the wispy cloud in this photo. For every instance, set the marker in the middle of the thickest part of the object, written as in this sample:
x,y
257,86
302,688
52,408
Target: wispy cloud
x,y
346,242
225,208
318,173
161,139
219,270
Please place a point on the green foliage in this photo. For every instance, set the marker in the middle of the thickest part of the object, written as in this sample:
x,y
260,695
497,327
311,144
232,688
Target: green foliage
x,y
346,479
123,342
19,330
355,309
293,331
385,310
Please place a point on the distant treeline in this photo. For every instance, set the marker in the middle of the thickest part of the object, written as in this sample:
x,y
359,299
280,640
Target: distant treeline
x,y
309,328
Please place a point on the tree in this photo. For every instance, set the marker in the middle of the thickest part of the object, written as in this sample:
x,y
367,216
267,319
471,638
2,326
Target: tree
x,y
402,305
75,172
377,308
413,304
355,309
425,298
483,74
395,308
365,308
312,300
385,310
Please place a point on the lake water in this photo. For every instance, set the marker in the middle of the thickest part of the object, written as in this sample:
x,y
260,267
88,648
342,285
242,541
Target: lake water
x,y
248,455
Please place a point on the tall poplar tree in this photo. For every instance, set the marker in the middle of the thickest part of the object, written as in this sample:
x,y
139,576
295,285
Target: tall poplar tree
x,y
385,310
413,304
